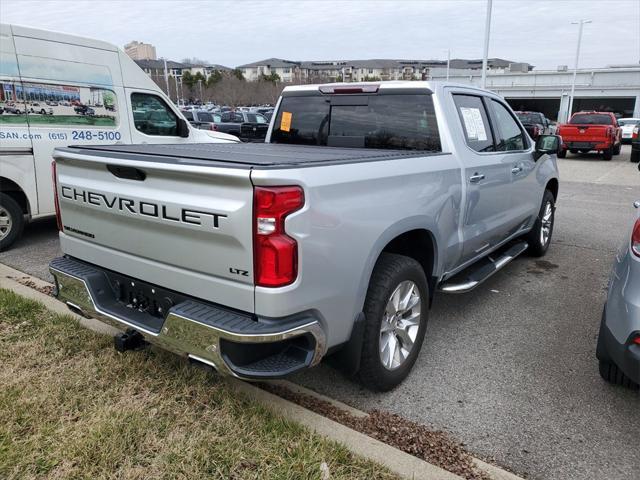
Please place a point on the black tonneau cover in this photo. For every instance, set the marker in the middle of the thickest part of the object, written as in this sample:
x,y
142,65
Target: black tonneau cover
x,y
244,155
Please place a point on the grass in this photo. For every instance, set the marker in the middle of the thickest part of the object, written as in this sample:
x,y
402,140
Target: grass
x,y
73,407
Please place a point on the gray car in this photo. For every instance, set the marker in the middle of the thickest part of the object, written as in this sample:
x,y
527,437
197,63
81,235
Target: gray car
x,y
618,347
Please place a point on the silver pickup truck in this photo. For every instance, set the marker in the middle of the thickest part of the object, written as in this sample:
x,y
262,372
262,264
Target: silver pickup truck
x,y
330,239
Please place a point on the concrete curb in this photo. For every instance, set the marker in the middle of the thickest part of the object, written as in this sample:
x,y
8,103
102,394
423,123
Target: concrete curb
x,y
401,463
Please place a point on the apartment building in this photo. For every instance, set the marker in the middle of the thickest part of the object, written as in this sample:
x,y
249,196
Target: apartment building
x,y
362,70
140,51
176,69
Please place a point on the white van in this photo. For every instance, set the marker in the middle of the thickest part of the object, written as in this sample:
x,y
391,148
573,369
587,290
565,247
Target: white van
x,y
59,90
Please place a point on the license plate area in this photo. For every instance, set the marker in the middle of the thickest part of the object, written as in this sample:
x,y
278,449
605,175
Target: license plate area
x,y
143,297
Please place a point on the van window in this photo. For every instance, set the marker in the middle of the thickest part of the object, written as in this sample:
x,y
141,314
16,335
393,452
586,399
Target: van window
x,y
152,116
475,122
59,105
509,133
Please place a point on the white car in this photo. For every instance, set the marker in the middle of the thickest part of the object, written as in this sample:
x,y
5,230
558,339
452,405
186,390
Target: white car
x,y
627,124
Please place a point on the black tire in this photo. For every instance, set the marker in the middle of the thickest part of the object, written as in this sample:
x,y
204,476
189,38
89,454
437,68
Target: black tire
x,y
11,211
534,238
607,154
562,153
617,149
611,373
390,271
573,150
635,156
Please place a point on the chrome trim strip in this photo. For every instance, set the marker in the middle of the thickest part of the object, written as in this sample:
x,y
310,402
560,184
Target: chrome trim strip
x,y
179,334
16,151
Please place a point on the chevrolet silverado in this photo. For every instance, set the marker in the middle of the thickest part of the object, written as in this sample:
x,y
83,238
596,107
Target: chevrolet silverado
x,y
330,239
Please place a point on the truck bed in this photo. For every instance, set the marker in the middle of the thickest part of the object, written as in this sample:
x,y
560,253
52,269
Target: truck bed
x,y
245,155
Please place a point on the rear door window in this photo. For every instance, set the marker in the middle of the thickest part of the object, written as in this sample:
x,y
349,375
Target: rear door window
x,y
475,122
591,119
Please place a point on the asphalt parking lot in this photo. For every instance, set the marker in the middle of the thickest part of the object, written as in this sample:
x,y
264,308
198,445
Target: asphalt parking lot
x,y
509,369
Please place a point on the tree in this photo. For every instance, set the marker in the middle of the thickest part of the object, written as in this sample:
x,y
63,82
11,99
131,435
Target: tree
x,y
214,78
273,78
195,61
238,74
188,79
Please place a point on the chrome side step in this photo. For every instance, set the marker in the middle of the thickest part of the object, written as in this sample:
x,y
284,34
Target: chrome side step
x,y
476,274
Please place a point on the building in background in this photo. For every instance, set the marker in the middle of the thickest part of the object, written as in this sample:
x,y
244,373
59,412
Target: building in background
x,y
155,68
140,51
363,70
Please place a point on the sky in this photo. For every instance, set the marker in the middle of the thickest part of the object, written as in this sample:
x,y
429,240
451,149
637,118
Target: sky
x,y
232,33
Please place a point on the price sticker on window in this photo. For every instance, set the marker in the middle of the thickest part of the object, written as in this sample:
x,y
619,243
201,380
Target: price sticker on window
x,y
285,123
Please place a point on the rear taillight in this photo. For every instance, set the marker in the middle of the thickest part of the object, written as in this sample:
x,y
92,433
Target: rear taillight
x,y
636,340
635,238
54,176
342,90
636,132
275,252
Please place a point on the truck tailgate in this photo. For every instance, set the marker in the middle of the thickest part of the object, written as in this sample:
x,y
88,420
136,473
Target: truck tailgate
x,y
584,133
182,227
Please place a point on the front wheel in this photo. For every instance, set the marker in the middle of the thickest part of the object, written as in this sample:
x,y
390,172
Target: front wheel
x,y
396,320
539,237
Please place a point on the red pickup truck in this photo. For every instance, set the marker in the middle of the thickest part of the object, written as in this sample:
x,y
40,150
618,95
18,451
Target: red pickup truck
x,y
588,131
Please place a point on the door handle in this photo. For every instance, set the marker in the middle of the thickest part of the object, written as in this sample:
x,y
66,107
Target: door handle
x,y
476,177
516,170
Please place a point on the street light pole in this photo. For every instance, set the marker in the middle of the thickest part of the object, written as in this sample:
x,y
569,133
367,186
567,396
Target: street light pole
x,y
448,62
487,30
575,67
166,75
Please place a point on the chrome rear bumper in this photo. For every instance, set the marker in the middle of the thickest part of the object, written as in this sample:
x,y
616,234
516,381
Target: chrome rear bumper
x,y
195,329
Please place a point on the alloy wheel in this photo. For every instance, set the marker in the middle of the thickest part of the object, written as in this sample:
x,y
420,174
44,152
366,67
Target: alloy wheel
x,y
400,325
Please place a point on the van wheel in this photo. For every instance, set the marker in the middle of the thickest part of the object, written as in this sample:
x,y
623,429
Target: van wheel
x,y
611,373
11,221
396,320
539,237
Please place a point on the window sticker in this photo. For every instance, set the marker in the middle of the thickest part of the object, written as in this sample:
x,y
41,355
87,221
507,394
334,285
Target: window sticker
x,y
285,123
473,124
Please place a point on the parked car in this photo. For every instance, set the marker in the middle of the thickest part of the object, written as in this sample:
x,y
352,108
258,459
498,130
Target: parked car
x,y
618,348
14,109
627,125
535,123
587,131
41,110
244,125
260,259
36,57
635,144
207,120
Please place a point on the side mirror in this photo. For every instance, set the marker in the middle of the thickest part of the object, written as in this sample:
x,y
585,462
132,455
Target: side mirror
x,y
547,145
183,128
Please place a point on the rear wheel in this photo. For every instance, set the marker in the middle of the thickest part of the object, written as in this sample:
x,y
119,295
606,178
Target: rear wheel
x,y
11,221
562,153
396,320
612,374
607,154
635,156
539,237
617,148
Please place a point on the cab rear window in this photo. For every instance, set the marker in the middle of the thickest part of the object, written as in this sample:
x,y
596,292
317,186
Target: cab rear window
x,y
402,122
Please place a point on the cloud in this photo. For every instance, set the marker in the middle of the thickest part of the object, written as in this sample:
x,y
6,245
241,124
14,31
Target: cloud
x,y
236,32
